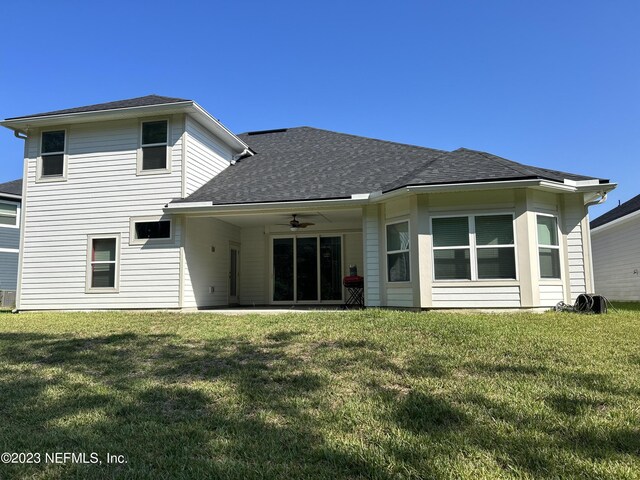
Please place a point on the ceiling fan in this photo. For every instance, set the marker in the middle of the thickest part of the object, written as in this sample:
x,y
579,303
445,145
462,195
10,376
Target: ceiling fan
x,y
295,225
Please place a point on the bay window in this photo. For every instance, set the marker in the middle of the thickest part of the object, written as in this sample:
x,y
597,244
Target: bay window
x,y
548,246
479,247
398,269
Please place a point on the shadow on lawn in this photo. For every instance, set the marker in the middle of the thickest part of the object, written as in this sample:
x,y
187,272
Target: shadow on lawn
x,y
256,408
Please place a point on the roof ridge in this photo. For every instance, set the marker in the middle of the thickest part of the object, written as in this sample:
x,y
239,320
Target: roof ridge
x,y
504,161
301,127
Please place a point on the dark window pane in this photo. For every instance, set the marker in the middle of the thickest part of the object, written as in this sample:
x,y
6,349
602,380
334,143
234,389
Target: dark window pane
x,y
52,165
330,268
103,275
398,237
283,269
452,264
307,268
549,262
104,250
496,263
8,208
154,158
154,132
494,230
160,229
450,232
53,141
398,267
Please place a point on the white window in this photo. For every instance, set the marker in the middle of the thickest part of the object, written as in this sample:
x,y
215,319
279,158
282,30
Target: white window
x,y
154,147
102,263
480,247
52,163
8,214
150,229
398,257
548,246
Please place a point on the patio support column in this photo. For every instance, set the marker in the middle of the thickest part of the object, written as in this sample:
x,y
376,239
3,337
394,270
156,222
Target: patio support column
x,y
371,255
423,263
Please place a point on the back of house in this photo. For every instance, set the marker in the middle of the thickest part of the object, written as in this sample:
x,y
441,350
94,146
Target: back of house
x,y
152,203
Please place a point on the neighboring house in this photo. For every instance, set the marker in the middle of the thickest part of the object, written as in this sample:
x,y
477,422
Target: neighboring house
x,y
152,203
10,198
615,237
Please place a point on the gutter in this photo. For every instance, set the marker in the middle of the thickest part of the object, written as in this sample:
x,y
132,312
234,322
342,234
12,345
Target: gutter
x,y
360,199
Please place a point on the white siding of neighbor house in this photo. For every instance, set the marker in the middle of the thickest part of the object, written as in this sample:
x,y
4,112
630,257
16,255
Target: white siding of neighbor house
x,y
616,259
8,270
101,193
476,296
205,268
206,156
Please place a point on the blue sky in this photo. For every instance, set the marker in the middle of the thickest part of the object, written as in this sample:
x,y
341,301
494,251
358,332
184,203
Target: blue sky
x,y
550,83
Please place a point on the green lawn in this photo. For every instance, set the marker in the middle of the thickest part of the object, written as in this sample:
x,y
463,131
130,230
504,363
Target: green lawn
x,y
366,394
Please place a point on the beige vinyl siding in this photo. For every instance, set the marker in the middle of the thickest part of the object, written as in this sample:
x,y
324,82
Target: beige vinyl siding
x,y
616,260
476,296
550,295
400,296
206,156
574,214
371,255
8,271
253,266
101,193
204,268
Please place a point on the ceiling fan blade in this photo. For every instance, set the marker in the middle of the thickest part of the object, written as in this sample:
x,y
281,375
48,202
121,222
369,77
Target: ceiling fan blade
x,y
305,224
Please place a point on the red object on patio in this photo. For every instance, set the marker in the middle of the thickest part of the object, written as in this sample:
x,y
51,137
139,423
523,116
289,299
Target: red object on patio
x,y
355,290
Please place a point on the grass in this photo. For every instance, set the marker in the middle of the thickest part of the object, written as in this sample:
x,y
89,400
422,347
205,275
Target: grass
x,y
371,394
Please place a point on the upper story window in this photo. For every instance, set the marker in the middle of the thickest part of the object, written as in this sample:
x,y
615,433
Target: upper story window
x,y
154,146
398,268
480,247
548,246
52,155
8,214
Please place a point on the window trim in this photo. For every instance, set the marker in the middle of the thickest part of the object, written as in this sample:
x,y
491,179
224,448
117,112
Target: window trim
x,y
17,215
390,252
88,278
133,240
473,248
139,161
52,178
554,247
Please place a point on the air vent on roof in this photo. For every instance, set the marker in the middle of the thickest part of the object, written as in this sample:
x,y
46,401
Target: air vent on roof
x,y
263,132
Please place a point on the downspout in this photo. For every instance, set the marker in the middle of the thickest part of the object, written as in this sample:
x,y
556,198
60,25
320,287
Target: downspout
x,y
23,211
245,153
602,199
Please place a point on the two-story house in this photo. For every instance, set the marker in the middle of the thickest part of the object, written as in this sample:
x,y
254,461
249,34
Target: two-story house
x,y
10,200
152,203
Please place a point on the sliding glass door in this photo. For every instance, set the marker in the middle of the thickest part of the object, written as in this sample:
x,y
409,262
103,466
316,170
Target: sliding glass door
x,y
307,269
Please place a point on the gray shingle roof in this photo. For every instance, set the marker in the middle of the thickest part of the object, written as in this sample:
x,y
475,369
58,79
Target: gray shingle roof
x,y
130,102
13,187
306,163
620,211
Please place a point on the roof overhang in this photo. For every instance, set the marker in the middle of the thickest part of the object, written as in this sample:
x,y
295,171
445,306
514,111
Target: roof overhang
x,y
361,199
10,196
26,124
